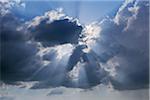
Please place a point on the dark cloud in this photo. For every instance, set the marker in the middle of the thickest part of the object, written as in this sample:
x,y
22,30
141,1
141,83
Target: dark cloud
x,y
128,34
75,57
134,66
15,51
47,50
57,32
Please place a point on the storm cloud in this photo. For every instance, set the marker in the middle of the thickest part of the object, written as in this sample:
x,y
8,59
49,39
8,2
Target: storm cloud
x,y
55,28
56,50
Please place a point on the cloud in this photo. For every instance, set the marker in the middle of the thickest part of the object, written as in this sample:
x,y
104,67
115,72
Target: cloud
x,y
56,50
135,41
57,91
55,28
125,40
54,72
97,92
33,61
8,5
15,49
6,98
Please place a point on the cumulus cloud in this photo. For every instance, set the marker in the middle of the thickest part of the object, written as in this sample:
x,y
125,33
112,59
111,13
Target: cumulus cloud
x,y
56,50
7,5
135,41
15,51
125,40
24,59
55,28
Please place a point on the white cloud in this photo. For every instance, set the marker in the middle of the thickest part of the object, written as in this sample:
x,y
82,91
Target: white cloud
x,y
90,34
6,5
113,51
121,15
51,15
111,66
62,93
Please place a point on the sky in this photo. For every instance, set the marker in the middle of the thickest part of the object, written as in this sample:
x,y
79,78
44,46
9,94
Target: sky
x,y
85,11
74,49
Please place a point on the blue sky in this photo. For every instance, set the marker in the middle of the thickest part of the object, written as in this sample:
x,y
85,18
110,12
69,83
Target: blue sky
x,y
85,11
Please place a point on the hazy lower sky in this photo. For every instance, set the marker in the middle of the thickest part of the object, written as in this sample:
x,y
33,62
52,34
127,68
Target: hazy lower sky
x,y
62,93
